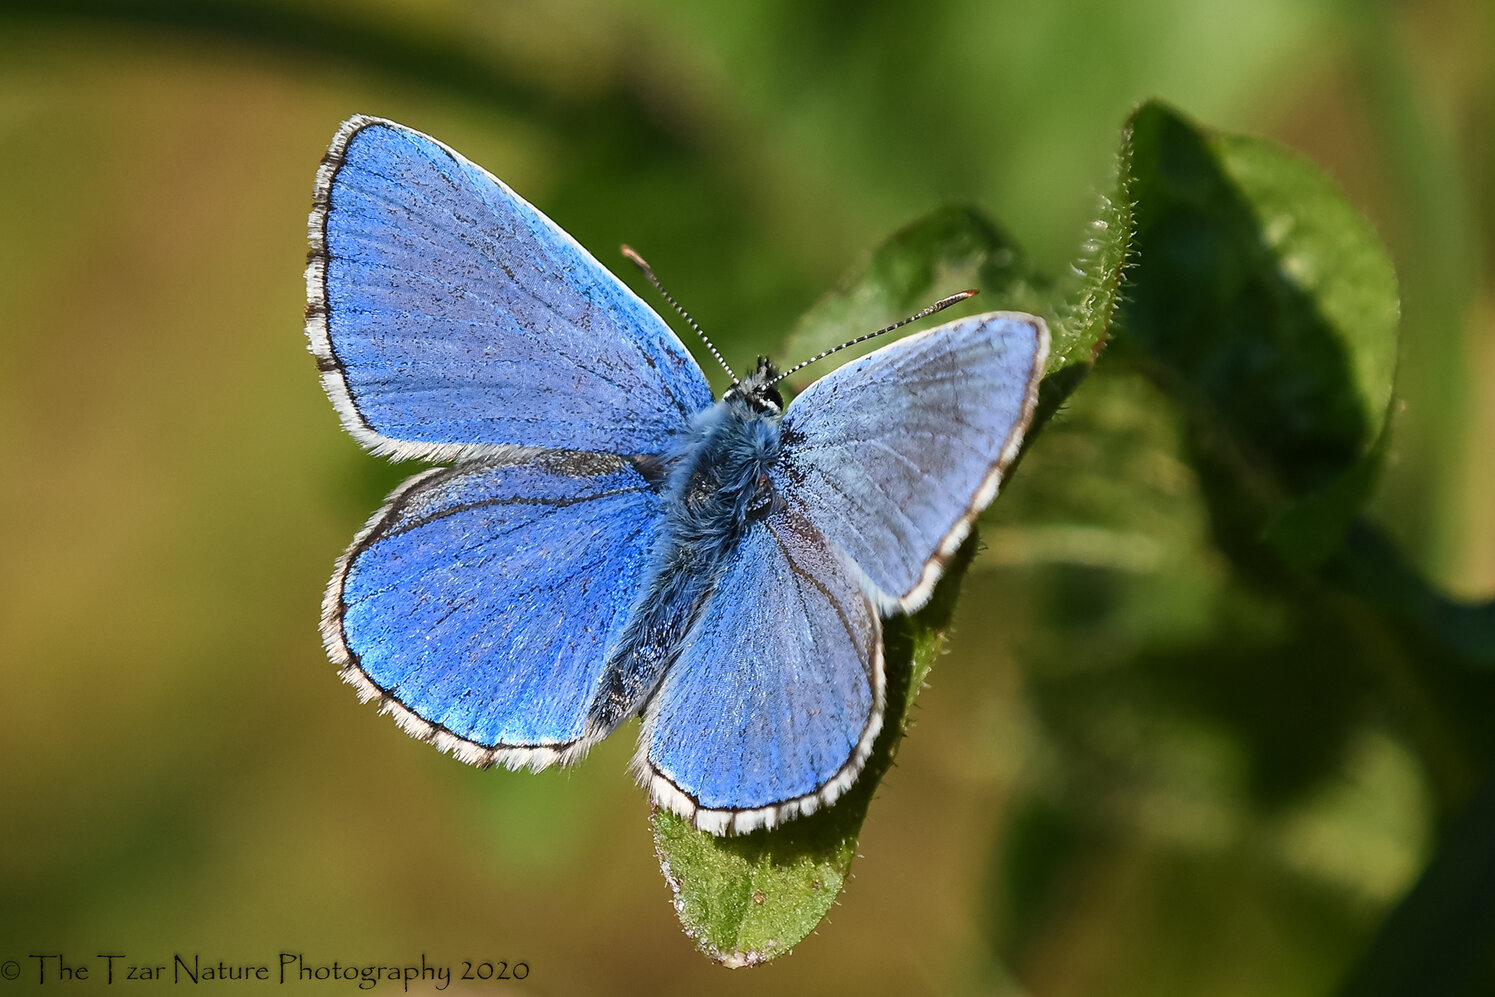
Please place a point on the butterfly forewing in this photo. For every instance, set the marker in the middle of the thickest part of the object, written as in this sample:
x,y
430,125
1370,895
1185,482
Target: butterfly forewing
x,y
449,316
892,455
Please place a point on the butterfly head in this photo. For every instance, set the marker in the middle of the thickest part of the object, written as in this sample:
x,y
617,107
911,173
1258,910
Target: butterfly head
x,y
757,390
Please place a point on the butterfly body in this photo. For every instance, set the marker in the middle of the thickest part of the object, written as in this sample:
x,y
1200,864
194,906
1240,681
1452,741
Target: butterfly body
x,y
721,482
716,485
608,541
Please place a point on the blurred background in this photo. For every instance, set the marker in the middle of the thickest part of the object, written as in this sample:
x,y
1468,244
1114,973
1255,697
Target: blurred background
x,y
1128,776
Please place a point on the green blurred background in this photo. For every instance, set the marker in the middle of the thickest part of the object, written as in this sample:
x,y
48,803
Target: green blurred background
x,y
1092,801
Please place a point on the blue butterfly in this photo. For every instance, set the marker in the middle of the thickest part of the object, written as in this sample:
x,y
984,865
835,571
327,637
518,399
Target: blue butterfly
x,y
608,540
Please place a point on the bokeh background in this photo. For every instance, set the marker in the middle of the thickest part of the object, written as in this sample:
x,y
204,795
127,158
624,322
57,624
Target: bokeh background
x,y
1091,802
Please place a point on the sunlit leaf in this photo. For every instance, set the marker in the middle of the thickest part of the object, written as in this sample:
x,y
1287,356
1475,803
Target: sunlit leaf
x,y
1087,300
950,250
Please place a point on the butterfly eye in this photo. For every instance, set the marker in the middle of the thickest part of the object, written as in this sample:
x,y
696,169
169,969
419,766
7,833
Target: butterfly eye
x,y
766,498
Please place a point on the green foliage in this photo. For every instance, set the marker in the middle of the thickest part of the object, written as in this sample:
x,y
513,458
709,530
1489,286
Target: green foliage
x,y
1268,307
947,251
1087,303
1251,376
1265,308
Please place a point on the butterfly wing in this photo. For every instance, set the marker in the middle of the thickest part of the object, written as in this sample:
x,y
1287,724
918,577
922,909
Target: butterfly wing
x,y
449,316
893,455
478,604
772,706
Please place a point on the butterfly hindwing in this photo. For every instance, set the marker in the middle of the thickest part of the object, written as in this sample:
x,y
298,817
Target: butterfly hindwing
x,y
777,695
449,316
479,603
892,455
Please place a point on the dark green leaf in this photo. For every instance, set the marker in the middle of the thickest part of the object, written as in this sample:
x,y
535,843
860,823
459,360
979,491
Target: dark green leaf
x,y
1265,302
1373,569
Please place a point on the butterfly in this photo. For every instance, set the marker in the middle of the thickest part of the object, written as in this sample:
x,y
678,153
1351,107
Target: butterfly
x,y
607,539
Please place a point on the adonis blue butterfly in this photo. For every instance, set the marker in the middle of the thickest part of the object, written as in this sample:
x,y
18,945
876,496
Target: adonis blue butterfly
x,y
606,540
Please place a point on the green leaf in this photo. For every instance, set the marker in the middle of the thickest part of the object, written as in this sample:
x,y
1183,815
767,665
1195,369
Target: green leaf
x,y
1266,303
946,251
1087,301
752,898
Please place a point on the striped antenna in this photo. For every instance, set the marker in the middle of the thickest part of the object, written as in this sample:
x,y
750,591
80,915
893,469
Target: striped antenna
x,y
938,306
638,261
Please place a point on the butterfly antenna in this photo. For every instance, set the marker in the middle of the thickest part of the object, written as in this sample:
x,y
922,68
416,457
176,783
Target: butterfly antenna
x,y
938,306
638,261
